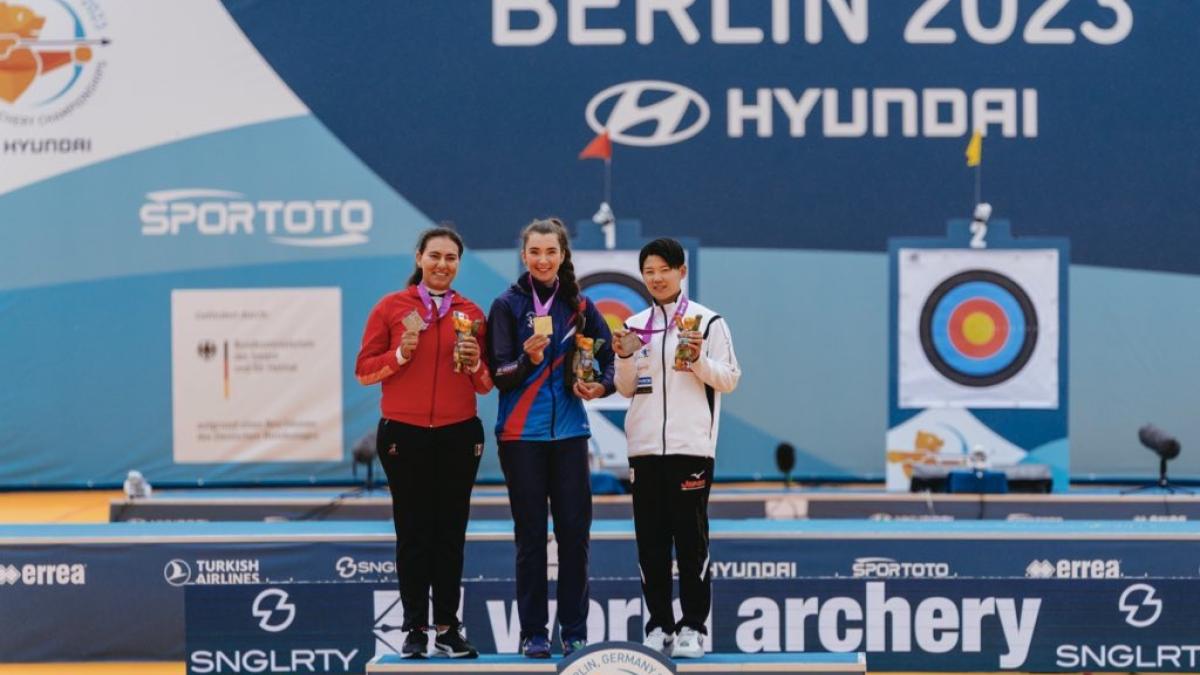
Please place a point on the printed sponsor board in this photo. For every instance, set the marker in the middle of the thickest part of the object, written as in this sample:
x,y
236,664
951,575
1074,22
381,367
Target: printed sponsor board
x,y
160,574
911,624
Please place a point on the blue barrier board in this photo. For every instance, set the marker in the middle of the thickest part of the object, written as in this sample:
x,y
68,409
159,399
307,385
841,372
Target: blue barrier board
x,y
65,580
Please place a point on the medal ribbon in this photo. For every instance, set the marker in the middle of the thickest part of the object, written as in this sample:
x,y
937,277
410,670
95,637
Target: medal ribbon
x,y
680,310
540,308
427,300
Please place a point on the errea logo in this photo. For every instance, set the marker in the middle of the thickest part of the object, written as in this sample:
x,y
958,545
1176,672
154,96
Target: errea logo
x,y
648,113
1074,569
61,574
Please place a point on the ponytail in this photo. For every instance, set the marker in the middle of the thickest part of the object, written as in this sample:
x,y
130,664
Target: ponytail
x,y
568,285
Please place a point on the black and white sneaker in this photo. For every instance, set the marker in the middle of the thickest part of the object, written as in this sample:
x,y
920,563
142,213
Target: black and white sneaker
x,y
415,644
452,644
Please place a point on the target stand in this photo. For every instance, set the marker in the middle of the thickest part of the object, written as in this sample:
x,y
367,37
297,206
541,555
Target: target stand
x,y
977,352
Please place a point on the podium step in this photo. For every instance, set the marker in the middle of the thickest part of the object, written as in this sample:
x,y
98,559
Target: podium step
x,y
711,664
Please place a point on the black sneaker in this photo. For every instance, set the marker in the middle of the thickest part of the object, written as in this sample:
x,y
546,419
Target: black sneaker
x,y
452,644
415,644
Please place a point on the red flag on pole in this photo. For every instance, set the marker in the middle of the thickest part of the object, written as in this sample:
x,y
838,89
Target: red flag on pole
x,y
599,148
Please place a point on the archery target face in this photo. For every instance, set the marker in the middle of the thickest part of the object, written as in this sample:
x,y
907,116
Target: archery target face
x,y
978,329
618,296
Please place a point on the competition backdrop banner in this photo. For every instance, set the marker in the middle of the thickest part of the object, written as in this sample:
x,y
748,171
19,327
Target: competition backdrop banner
x,y
152,146
189,253
979,356
925,625
52,593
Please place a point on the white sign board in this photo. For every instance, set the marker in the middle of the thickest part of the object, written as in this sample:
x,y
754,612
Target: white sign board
x,y
256,375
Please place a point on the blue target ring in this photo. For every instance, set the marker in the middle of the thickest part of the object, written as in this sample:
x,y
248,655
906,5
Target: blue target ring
x,y
617,296
1003,352
952,355
616,292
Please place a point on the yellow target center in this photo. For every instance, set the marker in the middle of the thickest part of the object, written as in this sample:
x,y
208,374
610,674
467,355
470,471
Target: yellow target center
x,y
978,328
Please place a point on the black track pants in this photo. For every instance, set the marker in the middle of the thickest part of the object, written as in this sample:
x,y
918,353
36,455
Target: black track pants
x,y
670,509
430,474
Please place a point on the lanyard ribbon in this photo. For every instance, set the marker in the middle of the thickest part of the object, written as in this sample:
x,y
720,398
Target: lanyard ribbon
x,y
427,300
646,333
540,308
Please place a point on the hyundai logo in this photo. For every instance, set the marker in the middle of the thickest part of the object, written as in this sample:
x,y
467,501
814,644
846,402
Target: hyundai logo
x,y
177,572
668,110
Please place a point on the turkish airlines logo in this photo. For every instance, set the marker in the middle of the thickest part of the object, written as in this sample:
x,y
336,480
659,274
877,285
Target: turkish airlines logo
x,y
649,113
177,572
273,604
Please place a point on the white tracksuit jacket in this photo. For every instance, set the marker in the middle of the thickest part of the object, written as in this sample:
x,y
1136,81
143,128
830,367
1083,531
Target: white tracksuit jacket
x,y
676,412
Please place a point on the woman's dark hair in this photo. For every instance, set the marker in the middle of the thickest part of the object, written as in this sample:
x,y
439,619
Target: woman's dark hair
x,y
567,285
423,241
670,250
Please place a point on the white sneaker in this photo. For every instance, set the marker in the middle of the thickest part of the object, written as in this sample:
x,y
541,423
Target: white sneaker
x,y
658,641
687,644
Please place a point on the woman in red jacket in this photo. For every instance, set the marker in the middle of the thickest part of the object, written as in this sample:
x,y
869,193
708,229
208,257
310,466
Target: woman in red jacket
x,y
429,438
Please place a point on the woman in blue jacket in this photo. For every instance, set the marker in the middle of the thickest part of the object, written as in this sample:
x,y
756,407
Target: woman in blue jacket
x,y
542,428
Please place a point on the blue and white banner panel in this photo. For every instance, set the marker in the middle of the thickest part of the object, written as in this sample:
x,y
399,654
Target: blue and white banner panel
x,y
907,625
209,145
68,581
189,253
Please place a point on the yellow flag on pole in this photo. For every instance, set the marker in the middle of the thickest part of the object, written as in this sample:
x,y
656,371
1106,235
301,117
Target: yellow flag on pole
x,y
975,149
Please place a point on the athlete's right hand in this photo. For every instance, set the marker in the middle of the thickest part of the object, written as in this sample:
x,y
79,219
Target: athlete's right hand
x,y
408,343
535,347
620,345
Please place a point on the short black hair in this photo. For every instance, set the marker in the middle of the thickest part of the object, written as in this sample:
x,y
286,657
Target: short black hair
x,y
666,248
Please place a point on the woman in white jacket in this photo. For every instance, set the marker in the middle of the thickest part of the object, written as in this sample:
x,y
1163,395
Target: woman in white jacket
x,y
672,433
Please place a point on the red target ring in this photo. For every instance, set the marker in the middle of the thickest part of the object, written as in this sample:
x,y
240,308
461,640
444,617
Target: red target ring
x,y
978,328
